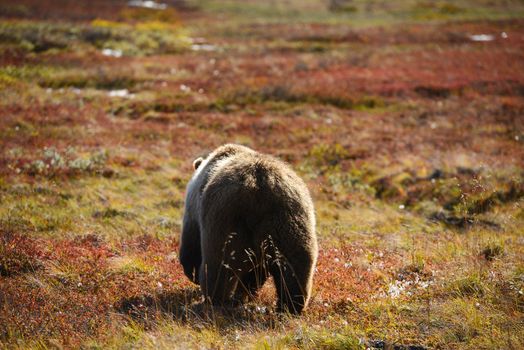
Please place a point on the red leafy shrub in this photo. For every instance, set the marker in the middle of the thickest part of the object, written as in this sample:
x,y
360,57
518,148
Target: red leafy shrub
x,y
18,254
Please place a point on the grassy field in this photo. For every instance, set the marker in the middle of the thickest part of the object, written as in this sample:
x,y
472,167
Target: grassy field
x,y
405,118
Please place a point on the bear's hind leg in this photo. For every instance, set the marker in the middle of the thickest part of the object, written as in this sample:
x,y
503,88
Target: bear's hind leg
x,y
217,282
293,282
222,268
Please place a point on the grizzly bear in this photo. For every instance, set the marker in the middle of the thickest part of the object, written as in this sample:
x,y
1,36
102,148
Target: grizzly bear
x,y
248,216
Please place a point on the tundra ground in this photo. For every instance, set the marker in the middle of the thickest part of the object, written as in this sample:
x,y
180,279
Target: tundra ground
x,y
405,118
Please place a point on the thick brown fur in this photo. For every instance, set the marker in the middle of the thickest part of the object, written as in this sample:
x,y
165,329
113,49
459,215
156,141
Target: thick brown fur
x,y
248,216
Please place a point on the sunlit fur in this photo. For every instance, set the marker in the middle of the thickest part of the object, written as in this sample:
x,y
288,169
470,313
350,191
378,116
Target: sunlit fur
x,y
248,216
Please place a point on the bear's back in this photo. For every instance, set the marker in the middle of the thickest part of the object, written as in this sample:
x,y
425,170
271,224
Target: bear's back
x,y
260,186
257,173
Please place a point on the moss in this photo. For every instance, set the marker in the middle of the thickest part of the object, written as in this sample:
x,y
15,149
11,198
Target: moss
x,y
497,198
286,94
492,251
328,154
167,16
391,187
7,80
308,338
435,10
26,72
472,285
143,39
14,10
55,77
34,215
110,213
128,265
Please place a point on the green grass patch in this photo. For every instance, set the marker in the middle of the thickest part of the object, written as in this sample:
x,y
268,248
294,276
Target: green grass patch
x,y
287,95
139,39
55,77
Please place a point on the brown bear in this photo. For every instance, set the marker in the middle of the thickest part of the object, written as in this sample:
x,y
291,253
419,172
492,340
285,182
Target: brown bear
x,y
248,216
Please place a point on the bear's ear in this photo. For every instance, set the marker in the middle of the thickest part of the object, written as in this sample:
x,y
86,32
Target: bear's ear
x,y
197,162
